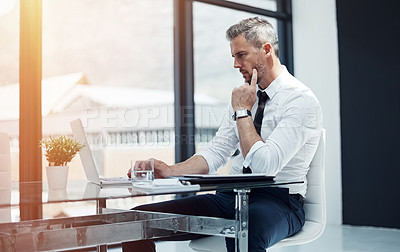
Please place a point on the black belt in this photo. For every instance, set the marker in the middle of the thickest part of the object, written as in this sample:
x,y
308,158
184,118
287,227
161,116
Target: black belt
x,y
298,197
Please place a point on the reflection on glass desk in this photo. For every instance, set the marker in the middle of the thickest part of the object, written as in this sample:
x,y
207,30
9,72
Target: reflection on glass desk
x,y
112,226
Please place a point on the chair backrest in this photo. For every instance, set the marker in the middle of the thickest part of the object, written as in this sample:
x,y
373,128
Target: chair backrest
x,y
5,162
5,176
314,203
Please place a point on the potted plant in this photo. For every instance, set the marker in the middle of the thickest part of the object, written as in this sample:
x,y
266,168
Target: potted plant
x,y
59,151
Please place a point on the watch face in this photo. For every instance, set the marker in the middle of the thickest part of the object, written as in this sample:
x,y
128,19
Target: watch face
x,y
241,113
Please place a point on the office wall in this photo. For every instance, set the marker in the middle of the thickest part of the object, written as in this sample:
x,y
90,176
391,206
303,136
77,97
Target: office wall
x,y
316,64
370,111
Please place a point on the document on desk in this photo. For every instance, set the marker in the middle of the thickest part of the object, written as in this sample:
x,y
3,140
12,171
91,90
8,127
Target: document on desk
x,y
167,185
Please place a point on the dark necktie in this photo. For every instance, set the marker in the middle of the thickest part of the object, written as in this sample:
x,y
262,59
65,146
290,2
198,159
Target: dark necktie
x,y
262,99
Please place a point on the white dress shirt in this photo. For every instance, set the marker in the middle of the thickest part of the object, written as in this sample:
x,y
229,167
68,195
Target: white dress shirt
x,y
291,129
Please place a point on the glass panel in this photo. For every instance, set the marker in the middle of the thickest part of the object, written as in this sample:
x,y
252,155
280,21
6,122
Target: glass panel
x,y
263,4
215,76
9,100
9,78
110,63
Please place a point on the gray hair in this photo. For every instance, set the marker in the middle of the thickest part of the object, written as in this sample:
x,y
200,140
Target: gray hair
x,y
256,30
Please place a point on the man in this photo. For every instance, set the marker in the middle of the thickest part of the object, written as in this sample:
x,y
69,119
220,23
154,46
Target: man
x,y
280,142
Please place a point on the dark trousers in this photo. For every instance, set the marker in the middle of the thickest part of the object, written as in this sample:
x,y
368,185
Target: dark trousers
x,y
274,214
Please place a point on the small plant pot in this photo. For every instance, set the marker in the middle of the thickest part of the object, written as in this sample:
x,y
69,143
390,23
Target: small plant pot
x,y
57,177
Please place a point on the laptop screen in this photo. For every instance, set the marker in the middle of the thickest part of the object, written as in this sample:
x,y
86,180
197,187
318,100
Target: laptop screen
x,y
85,154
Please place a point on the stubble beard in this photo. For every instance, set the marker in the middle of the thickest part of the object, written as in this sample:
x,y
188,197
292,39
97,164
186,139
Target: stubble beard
x,y
261,69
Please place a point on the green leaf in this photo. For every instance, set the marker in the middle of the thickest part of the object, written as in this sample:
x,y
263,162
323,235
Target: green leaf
x,y
60,150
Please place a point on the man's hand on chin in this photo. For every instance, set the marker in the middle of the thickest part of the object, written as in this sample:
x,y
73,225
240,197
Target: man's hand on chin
x,y
244,97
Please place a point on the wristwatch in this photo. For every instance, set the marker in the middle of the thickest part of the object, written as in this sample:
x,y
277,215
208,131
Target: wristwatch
x,y
241,113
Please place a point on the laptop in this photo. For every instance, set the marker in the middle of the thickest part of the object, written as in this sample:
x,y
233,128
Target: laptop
x,y
87,159
231,178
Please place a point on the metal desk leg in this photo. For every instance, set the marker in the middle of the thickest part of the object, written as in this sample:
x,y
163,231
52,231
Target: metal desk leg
x,y
242,216
100,204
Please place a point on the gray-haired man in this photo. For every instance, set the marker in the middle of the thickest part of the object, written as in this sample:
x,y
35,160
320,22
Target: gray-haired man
x,y
281,142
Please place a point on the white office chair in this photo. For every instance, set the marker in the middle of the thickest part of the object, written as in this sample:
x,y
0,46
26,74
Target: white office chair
x,y
5,176
314,207
5,162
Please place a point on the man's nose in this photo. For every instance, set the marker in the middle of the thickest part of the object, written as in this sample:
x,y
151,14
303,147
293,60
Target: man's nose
x,y
236,64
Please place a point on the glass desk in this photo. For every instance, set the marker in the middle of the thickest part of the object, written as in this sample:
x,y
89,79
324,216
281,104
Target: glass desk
x,y
110,226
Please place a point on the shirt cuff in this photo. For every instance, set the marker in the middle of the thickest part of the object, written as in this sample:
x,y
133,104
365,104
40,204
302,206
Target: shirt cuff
x,y
249,157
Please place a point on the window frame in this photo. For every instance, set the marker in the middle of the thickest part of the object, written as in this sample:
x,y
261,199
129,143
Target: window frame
x,y
184,62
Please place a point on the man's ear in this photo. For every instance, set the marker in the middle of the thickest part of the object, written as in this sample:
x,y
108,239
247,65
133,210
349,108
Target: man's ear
x,y
267,49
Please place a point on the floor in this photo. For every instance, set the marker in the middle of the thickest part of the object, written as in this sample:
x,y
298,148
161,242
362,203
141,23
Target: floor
x,y
334,239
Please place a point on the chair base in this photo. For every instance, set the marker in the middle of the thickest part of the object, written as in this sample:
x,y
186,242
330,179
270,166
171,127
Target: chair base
x,y
310,232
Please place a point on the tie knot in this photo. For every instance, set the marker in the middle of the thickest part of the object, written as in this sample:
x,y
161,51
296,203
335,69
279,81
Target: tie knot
x,y
262,96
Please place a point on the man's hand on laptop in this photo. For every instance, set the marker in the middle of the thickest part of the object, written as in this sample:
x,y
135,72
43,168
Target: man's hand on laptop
x,y
161,169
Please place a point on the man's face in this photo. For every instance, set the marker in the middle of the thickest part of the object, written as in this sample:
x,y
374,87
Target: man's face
x,y
246,58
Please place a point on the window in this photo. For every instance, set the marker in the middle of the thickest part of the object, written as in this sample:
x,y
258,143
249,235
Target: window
x,y
117,64
111,64
108,48
9,78
214,75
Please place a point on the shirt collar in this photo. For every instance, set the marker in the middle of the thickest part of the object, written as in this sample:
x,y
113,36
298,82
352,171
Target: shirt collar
x,y
275,85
